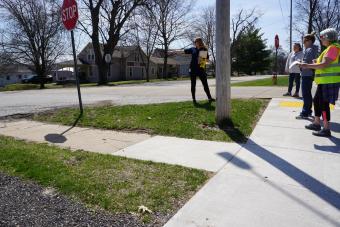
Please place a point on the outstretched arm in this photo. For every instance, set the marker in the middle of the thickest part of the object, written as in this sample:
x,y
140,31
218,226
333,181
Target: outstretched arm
x,y
325,62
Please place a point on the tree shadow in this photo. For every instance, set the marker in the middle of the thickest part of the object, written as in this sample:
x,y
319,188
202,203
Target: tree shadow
x,y
233,132
278,162
331,149
60,138
321,190
207,105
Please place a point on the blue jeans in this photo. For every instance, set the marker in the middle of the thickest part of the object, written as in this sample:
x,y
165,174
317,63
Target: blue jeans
x,y
292,77
307,83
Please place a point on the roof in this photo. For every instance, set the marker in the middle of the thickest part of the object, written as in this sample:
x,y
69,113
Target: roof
x,y
118,52
71,62
161,61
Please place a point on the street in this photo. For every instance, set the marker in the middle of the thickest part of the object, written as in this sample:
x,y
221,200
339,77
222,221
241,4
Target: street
x,y
21,102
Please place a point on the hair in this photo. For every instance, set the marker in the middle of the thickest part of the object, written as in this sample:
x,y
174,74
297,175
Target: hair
x,y
299,45
330,34
310,37
200,42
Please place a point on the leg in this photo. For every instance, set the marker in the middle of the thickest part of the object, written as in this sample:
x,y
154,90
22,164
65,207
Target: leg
x,y
317,110
291,82
326,116
204,80
307,83
193,86
297,83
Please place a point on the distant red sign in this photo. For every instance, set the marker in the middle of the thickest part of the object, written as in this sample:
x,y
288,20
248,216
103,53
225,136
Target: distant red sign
x,y
69,14
277,42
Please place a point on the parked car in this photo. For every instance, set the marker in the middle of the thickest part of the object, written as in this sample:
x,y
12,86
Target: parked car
x,y
36,79
25,78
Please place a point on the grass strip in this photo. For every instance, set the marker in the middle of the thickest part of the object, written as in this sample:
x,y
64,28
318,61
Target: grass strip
x,y
282,81
181,119
116,184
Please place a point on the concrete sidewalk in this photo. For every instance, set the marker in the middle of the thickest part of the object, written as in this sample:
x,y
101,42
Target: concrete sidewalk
x,y
205,155
283,176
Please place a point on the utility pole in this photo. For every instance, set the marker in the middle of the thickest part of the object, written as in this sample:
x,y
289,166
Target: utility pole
x,y
291,26
223,69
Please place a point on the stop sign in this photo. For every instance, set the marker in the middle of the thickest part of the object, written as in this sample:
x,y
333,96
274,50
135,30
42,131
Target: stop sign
x,y
277,42
69,14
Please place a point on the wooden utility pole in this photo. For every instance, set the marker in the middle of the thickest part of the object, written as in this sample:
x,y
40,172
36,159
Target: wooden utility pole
x,y
291,27
223,61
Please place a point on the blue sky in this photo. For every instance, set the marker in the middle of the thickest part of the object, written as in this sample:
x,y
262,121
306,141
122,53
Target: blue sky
x,y
273,20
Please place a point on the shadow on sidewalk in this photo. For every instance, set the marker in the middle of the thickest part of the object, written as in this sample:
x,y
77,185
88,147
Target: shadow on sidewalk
x,y
234,160
60,138
324,192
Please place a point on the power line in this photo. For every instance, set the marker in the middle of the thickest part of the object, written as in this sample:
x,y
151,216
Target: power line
x,y
281,10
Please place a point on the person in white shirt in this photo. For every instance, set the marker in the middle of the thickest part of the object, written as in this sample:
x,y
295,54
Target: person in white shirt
x,y
294,72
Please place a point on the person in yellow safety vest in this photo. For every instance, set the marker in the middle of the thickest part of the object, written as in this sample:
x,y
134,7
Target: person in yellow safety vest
x,y
327,77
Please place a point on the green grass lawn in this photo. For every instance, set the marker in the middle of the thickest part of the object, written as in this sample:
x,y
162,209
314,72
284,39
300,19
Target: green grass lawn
x,y
116,184
282,81
20,87
181,119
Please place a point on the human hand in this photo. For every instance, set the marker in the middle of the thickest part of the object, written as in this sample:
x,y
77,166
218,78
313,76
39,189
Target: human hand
x,y
303,65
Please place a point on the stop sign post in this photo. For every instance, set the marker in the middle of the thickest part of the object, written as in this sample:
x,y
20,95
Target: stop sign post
x,y
69,16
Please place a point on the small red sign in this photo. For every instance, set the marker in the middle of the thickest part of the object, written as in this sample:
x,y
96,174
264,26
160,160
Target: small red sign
x,y
277,42
69,14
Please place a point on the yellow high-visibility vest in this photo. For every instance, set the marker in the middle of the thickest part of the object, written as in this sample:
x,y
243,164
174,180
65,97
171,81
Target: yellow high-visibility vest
x,y
330,74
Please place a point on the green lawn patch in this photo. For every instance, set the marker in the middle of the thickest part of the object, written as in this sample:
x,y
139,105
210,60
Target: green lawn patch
x,y
181,119
20,87
116,184
282,81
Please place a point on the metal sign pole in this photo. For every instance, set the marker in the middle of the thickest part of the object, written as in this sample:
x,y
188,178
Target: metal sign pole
x,y
76,74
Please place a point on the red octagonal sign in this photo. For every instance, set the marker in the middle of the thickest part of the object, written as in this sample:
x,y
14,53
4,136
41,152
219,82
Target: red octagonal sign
x,y
69,14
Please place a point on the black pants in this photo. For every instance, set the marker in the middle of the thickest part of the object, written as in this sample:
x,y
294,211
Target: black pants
x,y
203,77
292,77
321,106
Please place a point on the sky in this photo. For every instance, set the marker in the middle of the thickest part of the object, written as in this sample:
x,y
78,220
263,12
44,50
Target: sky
x,y
274,21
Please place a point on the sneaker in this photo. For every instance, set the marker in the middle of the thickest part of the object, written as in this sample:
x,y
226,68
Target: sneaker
x,y
296,95
313,127
323,133
302,117
287,94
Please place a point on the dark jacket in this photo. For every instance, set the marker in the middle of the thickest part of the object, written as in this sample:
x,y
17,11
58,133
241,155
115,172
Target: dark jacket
x,y
309,55
194,64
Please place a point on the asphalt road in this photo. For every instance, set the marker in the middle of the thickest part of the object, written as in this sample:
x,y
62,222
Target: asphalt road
x,y
21,102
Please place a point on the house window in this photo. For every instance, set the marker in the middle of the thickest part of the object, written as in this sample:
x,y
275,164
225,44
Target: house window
x,y
19,77
142,73
136,57
153,71
8,78
129,63
92,56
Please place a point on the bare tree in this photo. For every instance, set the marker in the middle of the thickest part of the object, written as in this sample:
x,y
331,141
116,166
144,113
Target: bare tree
x,y
317,15
242,21
104,22
306,12
144,35
170,17
33,34
205,28
327,15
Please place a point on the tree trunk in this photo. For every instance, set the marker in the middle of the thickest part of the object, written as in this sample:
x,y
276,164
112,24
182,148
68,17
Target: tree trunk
x,y
148,70
165,64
